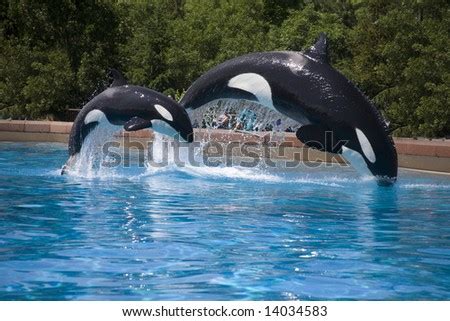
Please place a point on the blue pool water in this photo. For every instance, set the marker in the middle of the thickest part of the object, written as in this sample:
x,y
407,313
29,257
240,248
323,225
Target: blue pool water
x,y
217,233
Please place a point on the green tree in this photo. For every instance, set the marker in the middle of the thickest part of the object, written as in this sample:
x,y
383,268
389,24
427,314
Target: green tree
x,y
15,67
400,58
276,11
85,33
51,82
210,33
143,54
54,54
301,28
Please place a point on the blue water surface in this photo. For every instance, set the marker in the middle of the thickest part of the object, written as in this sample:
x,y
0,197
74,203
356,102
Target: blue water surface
x,y
217,233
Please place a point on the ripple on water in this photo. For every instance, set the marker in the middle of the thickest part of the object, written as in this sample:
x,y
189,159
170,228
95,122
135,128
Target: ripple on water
x,y
30,205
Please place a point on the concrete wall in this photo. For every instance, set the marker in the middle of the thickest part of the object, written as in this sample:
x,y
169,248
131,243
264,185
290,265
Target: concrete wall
x,y
423,154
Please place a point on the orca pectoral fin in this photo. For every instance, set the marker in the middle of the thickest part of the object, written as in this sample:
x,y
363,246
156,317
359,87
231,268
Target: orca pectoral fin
x,y
136,123
319,137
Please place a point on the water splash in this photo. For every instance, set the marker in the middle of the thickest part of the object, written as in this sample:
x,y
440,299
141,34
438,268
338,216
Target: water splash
x,y
164,157
91,161
241,115
163,152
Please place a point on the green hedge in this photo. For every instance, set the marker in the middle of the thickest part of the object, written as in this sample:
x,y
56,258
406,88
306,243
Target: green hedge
x,y
55,53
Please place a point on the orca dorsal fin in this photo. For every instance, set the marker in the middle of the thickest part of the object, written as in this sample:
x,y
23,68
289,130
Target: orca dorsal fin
x,y
319,51
116,76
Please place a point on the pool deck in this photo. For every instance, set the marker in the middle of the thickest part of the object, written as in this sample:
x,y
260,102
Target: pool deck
x,y
418,154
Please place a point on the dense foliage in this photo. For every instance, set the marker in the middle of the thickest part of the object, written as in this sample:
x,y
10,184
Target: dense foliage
x,y
54,54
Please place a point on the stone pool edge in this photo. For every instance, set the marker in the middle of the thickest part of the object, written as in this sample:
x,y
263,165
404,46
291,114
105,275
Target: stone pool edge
x,y
417,154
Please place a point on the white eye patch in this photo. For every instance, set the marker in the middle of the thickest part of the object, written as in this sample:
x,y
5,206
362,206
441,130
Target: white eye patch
x,y
255,84
164,112
94,116
365,146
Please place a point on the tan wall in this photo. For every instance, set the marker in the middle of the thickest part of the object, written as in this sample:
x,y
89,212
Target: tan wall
x,y
421,154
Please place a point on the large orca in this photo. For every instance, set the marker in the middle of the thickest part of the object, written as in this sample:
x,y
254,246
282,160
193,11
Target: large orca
x,y
306,88
130,107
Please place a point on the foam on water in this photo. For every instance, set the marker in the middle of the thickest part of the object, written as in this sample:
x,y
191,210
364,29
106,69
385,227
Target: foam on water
x,y
426,186
253,174
91,163
259,173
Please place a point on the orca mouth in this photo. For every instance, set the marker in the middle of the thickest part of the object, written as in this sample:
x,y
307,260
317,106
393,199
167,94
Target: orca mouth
x,y
182,124
386,170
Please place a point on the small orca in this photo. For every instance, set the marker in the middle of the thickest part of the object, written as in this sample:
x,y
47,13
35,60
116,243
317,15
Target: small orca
x,y
306,88
130,107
